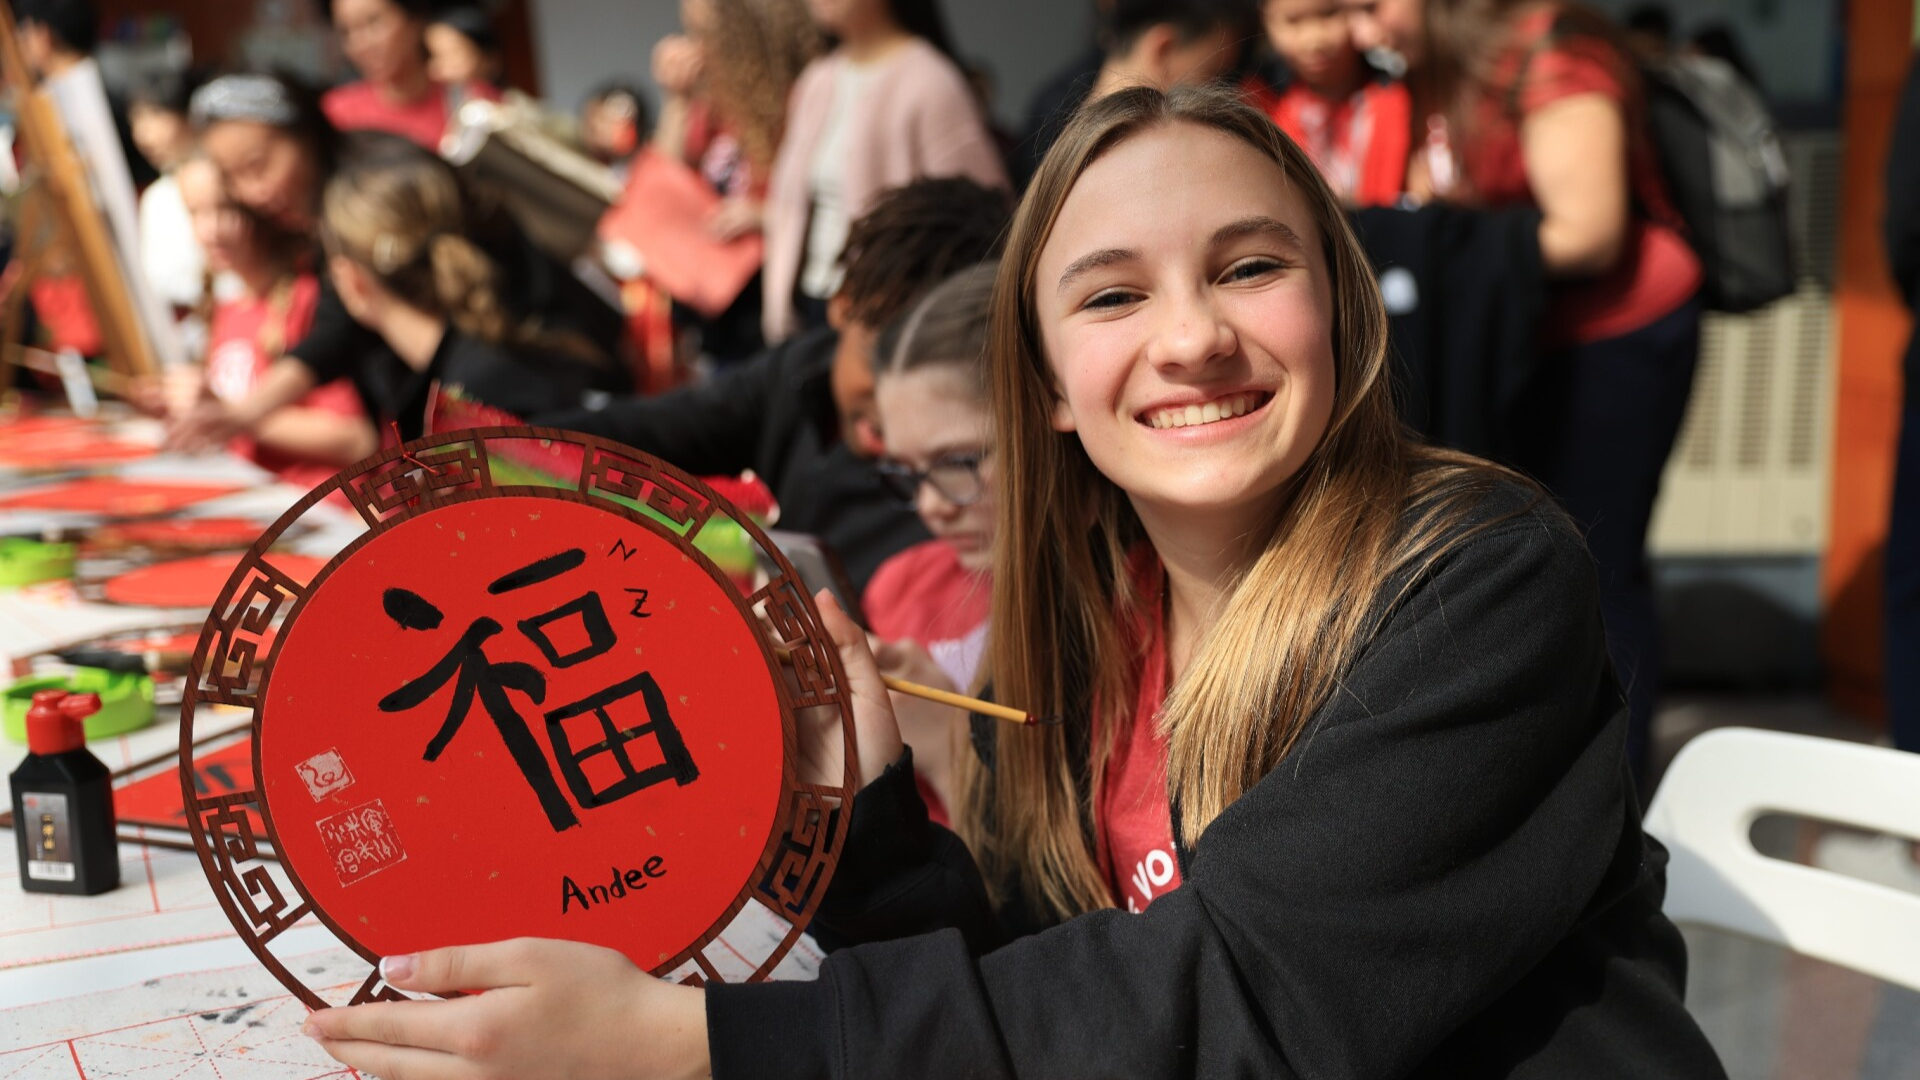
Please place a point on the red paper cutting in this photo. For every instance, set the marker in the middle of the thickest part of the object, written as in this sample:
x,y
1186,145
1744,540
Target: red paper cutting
x,y
193,582
63,442
195,534
115,497
628,816
92,450
156,801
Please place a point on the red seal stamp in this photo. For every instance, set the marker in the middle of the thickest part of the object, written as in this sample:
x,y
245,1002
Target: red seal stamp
x,y
360,842
324,773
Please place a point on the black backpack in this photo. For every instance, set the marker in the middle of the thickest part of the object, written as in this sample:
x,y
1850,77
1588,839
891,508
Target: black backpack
x,y
1727,177
1725,174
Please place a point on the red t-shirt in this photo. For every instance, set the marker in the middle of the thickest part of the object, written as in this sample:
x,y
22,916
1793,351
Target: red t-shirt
x,y
1657,271
924,595
1134,820
362,106
1360,143
242,342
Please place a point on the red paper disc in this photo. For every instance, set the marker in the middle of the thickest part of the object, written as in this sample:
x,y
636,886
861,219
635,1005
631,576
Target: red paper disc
x,y
115,497
203,534
602,760
508,711
63,442
193,582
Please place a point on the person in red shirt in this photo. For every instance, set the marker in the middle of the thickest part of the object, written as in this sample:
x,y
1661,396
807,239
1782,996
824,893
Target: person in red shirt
x,y
386,42
1354,121
928,604
1538,104
265,303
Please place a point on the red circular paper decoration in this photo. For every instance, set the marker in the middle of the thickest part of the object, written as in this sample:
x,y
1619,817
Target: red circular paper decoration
x,y
497,798
186,534
115,497
64,442
511,711
193,582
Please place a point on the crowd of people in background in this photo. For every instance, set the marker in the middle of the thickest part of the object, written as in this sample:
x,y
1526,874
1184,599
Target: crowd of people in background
x,y
882,374
802,116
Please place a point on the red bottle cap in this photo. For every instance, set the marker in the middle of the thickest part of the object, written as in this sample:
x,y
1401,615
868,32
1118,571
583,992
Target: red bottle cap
x,y
56,721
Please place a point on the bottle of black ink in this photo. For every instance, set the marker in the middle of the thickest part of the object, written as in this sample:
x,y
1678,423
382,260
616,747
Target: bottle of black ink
x,y
63,802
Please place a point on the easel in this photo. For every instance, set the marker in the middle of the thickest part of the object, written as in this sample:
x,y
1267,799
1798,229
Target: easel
x,y
58,212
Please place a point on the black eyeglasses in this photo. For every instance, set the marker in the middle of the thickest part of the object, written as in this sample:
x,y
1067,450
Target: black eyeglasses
x,y
955,476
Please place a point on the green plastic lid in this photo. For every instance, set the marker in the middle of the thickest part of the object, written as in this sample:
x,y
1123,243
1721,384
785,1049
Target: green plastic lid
x,y
26,561
126,701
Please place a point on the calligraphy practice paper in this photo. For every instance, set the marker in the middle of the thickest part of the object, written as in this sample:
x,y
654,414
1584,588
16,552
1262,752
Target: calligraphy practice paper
x,y
233,1024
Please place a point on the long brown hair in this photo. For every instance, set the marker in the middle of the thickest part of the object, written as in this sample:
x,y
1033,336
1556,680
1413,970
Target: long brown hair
x,y
1290,627
757,51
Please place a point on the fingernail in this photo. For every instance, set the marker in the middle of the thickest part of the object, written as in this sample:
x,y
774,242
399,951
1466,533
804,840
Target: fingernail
x,y
396,969
310,1029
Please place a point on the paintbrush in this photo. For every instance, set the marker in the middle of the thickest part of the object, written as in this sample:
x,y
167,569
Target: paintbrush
x,y
948,697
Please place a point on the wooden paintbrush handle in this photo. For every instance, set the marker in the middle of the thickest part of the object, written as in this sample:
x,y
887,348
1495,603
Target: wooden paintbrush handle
x,y
958,701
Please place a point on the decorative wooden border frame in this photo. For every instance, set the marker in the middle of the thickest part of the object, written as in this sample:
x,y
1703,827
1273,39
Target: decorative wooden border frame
x,y
233,663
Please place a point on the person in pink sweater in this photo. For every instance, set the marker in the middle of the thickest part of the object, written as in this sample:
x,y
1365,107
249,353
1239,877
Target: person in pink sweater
x,y
886,107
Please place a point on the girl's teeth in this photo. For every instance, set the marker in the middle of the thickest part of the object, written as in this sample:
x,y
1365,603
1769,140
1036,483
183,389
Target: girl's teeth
x,y
1193,415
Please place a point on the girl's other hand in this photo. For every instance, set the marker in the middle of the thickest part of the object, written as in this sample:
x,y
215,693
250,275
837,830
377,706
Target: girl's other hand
x,y
878,734
935,731
550,1008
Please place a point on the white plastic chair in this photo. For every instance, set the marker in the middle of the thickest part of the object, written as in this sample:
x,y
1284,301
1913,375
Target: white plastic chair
x,y
1704,812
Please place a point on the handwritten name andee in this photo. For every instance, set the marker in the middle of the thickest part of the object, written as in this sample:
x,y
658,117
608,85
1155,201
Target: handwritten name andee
x,y
631,881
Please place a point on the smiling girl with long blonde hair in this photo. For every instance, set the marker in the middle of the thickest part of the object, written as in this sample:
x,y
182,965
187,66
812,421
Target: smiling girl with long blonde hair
x,y
1338,716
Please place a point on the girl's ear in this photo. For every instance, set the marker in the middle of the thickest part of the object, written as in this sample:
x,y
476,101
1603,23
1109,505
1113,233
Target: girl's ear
x,y
354,285
1062,416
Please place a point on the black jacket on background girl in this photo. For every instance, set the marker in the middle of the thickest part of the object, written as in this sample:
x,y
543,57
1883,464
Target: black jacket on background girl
x,y
1445,878
533,286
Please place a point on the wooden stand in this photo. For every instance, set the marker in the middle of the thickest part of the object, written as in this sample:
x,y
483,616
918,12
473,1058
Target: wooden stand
x,y
59,185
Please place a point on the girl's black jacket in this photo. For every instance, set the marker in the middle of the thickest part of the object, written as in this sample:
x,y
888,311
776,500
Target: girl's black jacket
x,y
1445,878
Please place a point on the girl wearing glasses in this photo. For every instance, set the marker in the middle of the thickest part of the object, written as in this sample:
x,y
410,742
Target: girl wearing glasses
x,y
1338,718
928,605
